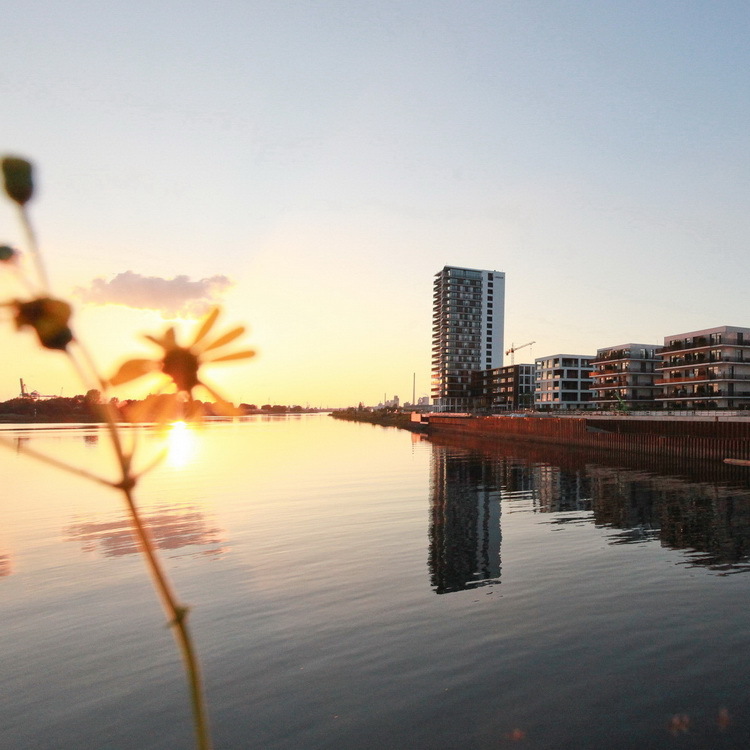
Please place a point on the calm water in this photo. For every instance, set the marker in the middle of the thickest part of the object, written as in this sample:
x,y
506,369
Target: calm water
x,y
360,587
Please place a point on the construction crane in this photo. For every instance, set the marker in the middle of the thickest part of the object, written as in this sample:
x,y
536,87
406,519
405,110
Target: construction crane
x,y
514,348
33,394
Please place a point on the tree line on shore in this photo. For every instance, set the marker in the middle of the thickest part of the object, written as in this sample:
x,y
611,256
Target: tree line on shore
x,y
87,408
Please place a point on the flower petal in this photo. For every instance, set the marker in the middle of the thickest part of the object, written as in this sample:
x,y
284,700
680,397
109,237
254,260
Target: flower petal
x,y
132,369
154,340
246,354
193,410
170,340
208,324
222,406
226,338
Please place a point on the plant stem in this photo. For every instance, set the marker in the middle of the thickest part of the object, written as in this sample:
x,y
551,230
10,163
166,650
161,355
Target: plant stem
x,y
34,248
177,616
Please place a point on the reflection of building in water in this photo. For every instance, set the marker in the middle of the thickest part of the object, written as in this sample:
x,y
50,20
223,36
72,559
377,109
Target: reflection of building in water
x,y
711,520
465,521
5,566
701,508
171,528
625,499
560,490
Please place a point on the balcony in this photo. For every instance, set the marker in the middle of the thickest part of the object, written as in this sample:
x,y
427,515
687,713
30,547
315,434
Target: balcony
x,y
624,355
692,379
700,359
701,378
703,342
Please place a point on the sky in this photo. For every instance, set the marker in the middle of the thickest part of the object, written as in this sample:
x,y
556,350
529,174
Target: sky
x,y
310,166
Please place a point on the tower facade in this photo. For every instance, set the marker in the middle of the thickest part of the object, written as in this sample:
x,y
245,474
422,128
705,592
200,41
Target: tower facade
x,y
468,322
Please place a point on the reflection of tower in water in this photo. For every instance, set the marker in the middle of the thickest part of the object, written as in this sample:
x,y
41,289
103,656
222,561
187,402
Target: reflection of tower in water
x,y
559,490
465,521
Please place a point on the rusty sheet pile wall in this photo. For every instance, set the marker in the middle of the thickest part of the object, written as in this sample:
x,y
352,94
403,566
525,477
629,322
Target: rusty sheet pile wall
x,y
683,437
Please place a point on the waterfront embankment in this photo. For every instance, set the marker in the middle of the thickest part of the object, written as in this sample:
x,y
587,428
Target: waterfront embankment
x,y
382,418
703,438
714,438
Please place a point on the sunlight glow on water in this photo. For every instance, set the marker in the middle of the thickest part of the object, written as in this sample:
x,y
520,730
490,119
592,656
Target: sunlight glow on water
x,y
354,586
182,445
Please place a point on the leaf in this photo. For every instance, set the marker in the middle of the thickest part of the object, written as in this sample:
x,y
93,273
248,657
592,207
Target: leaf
x,y
131,370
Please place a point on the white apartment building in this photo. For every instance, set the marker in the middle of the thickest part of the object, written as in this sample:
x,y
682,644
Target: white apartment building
x,y
563,381
706,369
467,332
624,376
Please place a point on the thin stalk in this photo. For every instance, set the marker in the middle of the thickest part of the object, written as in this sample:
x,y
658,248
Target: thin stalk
x,y
123,458
177,615
34,248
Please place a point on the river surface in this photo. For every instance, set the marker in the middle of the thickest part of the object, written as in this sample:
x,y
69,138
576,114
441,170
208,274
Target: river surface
x,y
362,587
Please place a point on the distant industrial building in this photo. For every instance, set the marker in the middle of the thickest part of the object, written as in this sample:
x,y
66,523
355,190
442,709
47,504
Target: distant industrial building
x,y
563,382
467,332
707,369
624,377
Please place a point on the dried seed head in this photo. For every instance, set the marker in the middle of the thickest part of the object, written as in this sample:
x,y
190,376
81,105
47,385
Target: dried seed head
x,y
49,318
7,253
19,181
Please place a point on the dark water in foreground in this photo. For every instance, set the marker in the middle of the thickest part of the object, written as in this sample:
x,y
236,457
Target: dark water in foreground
x,y
358,587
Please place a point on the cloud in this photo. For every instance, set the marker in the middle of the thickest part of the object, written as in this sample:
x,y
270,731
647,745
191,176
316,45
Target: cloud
x,y
172,297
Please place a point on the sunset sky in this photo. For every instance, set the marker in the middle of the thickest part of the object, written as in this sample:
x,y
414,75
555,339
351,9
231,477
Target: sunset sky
x,y
311,165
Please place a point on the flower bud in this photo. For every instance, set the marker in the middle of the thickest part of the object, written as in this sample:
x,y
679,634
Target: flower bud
x,y
19,182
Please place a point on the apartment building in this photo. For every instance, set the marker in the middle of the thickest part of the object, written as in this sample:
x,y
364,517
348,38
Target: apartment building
x,y
563,382
467,332
506,388
707,369
624,377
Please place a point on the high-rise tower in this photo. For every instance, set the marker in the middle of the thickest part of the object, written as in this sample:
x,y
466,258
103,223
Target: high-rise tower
x,y
467,332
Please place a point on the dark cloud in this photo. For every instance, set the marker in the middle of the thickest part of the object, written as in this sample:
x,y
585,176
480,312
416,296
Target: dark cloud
x,y
172,297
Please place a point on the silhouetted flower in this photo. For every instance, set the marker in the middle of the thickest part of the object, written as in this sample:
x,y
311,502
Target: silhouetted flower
x,y
48,317
19,181
181,364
